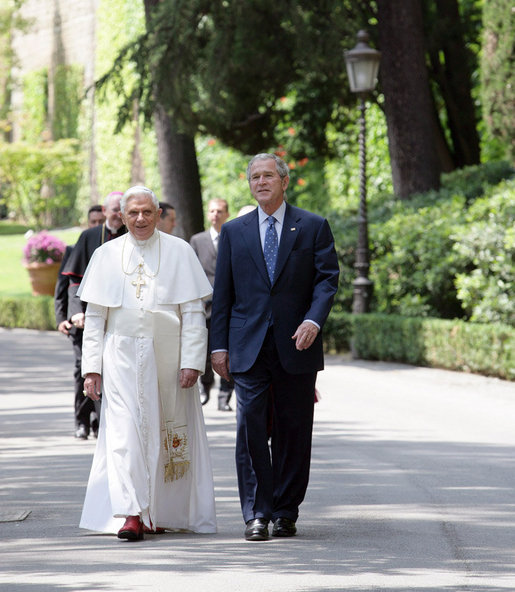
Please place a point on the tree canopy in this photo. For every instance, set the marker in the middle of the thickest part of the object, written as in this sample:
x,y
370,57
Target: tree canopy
x,y
222,68
225,68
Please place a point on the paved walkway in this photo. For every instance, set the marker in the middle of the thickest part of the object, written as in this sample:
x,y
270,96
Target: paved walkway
x,y
412,488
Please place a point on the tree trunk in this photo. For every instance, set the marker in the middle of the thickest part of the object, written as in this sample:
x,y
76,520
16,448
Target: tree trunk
x,y
178,166
180,178
137,167
453,78
408,107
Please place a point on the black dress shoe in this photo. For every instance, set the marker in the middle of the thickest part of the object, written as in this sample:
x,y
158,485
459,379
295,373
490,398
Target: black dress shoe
x,y
204,394
257,530
81,432
284,527
223,405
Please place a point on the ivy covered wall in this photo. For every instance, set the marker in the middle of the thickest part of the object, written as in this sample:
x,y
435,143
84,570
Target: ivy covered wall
x,y
73,42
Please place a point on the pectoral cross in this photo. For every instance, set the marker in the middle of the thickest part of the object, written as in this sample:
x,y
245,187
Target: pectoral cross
x,y
139,283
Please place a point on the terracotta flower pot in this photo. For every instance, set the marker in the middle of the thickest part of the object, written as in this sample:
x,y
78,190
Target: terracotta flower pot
x,y
43,277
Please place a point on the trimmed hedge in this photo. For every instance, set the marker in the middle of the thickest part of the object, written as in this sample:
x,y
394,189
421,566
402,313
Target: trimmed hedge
x,y
487,349
28,313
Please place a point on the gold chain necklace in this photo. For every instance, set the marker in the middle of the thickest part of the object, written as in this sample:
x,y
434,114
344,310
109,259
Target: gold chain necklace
x,y
139,282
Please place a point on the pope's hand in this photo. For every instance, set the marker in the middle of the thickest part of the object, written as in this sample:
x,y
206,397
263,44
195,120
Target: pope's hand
x,y
93,386
188,377
78,320
220,364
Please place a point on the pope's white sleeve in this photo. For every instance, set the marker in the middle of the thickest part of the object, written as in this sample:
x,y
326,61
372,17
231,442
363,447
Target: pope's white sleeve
x,y
93,339
193,335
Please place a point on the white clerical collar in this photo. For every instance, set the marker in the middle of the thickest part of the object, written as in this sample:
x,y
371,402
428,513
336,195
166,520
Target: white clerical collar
x,y
143,243
278,214
113,232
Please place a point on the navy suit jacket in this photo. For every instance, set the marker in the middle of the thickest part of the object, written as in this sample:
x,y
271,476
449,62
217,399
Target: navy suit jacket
x,y
245,302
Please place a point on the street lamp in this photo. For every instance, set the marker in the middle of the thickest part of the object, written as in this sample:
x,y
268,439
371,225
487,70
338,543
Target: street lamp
x,y
362,64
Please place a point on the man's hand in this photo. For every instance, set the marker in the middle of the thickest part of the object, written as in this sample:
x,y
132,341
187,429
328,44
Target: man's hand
x,y
188,377
220,364
64,327
78,320
305,335
93,386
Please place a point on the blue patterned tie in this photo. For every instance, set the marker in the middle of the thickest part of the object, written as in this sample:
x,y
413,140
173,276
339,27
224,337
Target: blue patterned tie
x,y
271,247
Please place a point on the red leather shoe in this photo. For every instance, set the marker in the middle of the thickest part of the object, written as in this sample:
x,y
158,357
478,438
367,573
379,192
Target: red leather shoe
x,y
156,530
132,530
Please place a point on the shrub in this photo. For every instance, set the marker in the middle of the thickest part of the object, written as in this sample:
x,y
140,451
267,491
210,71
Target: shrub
x,y
487,243
35,179
28,313
443,254
455,345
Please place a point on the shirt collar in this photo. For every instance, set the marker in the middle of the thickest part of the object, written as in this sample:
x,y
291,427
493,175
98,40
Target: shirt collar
x,y
278,214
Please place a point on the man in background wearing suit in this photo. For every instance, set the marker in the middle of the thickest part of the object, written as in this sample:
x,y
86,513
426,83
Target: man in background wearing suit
x,y
168,219
73,271
205,244
276,277
85,421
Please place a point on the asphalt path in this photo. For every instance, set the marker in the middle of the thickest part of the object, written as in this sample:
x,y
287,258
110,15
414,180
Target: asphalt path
x,y
412,488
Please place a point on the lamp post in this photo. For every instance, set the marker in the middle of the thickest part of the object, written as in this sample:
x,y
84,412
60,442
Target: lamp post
x,y
362,64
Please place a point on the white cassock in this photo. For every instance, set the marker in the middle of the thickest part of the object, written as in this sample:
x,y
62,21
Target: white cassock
x,y
144,322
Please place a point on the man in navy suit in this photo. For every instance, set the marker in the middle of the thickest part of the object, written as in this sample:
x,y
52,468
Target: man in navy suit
x,y
276,277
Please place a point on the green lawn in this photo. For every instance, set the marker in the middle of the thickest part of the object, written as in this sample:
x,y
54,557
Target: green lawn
x,y
14,278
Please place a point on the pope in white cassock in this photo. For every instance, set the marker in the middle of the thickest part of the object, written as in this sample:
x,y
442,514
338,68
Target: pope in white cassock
x,y
145,343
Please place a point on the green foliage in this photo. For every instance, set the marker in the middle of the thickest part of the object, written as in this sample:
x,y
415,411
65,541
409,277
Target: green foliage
x,y
7,227
343,171
473,181
222,174
39,124
35,105
498,73
10,21
68,90
35,178
455,345
442,254
118,22
487,243
28,313
337,332
211,65
414,264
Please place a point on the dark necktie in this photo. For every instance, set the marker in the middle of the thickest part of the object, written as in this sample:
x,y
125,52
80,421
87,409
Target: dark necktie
x,y
271,247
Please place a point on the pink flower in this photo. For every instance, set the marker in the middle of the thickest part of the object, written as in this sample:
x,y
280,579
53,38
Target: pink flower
x,y
43,248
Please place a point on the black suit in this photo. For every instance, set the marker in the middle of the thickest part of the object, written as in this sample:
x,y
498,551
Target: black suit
x,y
67,303
89,240
254,320
83,406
